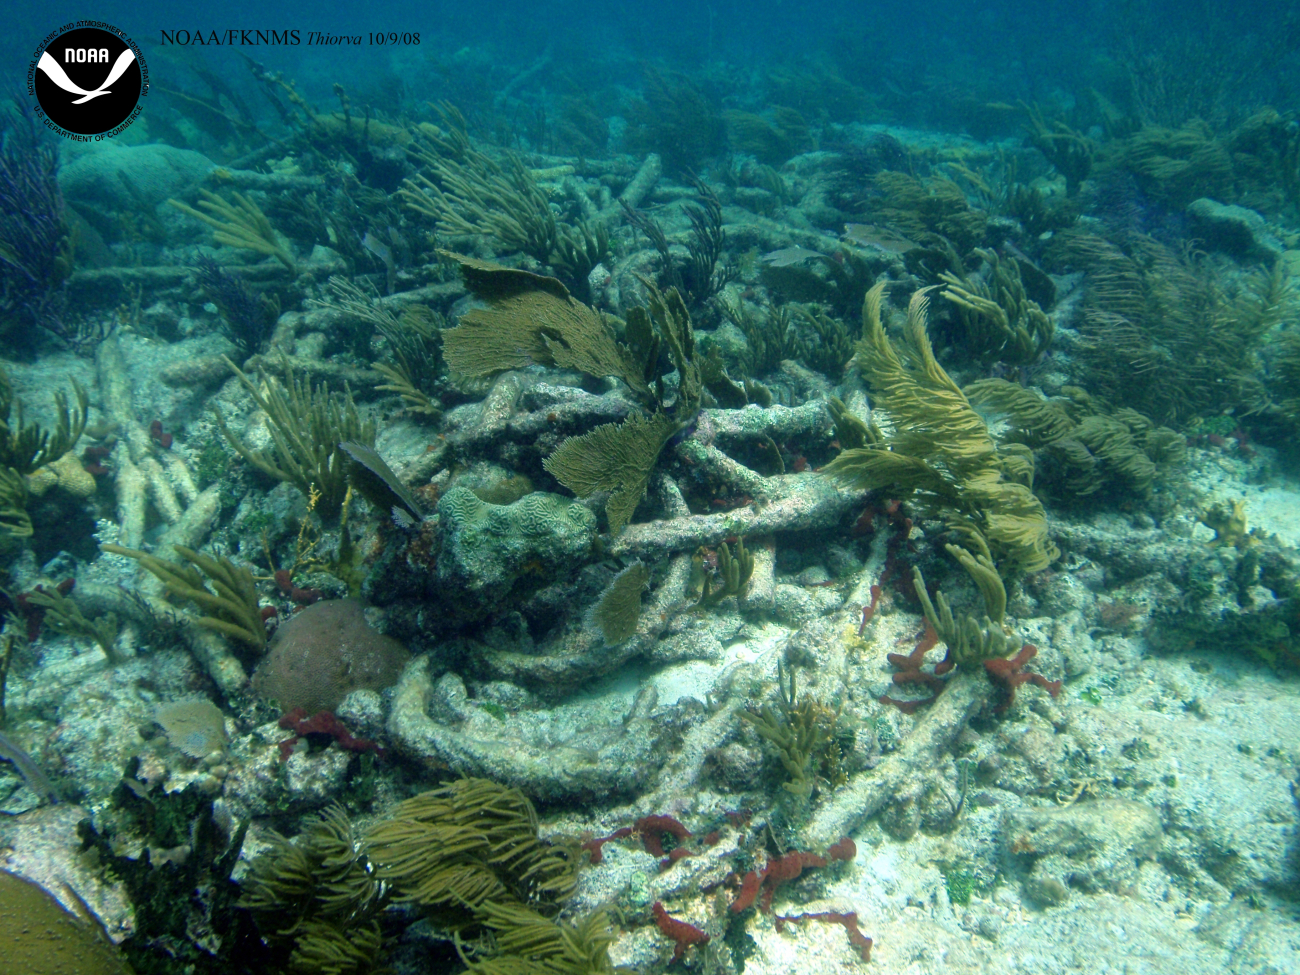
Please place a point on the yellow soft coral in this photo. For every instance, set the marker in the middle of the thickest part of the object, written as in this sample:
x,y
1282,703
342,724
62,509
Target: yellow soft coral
x,y
1229,529
66,474
73,477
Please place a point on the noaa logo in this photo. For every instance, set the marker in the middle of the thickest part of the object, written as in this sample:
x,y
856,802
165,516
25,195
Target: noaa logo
x,y
88,80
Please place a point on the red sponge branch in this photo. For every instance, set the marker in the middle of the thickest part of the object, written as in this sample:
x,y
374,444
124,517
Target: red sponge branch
x,y
596,845
1007,674
748,892
652,829
303,597
785,868
684,935
910,672
845,850
321,723
782,870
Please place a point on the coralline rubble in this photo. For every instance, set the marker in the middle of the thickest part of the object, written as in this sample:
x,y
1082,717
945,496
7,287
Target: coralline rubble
x,y
900,775
797,502
1089,846
145,475
571,656
541,751
521,408
487,552
1203,593
262,782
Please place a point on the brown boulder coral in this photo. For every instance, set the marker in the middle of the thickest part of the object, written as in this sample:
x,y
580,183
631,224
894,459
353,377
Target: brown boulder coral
x,y
325,652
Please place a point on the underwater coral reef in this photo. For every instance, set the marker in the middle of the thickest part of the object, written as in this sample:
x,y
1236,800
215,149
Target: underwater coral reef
x,y
787,518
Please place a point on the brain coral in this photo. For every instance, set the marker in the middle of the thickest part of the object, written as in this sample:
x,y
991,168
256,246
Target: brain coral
x,y
325,652
487,548
39,937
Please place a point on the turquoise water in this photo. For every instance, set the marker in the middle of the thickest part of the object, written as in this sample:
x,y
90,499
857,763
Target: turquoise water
x,y
714,487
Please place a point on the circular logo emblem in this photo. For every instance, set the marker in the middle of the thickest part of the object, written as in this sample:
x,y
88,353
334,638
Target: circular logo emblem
x,y
89,80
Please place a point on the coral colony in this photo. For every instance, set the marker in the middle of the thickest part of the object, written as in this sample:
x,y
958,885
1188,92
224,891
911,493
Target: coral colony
x,y
36,249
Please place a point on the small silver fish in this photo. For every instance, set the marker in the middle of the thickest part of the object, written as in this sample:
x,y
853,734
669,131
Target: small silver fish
x,y
867,235
787,256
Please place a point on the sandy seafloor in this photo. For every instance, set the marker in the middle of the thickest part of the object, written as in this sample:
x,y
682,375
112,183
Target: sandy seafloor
x,y
1175,869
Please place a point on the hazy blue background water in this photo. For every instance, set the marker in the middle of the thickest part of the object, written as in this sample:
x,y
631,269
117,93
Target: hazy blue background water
x,y
1050,50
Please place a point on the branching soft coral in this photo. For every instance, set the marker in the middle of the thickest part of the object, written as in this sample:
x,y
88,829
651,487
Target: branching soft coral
x,y
939,449
36,248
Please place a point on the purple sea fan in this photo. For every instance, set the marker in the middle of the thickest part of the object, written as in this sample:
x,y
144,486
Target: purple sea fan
x,y
247,320
35,245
